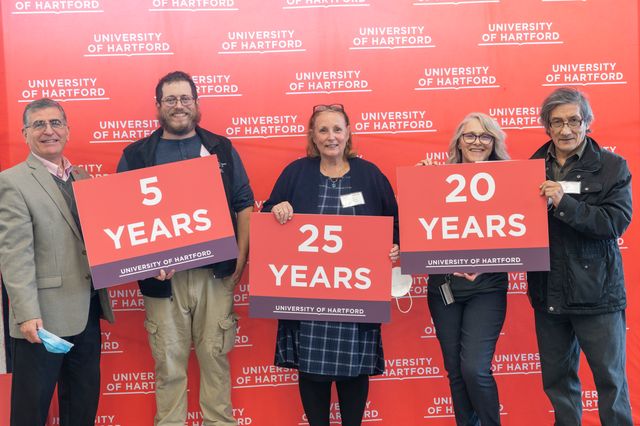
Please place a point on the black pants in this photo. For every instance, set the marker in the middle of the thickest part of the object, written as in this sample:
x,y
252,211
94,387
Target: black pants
x,y
77,373
316,399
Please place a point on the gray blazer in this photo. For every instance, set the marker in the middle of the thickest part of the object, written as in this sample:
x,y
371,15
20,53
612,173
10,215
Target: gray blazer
x,y
42,256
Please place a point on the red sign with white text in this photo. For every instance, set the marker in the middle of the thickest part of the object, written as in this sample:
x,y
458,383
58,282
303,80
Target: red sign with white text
x,y
476,217
173,216
324,267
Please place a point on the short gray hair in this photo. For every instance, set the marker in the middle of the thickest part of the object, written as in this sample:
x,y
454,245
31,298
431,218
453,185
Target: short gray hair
x,y
563,96
490,126
38,105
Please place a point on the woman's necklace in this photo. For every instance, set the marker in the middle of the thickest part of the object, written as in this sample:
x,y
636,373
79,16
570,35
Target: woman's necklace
x,y
337,175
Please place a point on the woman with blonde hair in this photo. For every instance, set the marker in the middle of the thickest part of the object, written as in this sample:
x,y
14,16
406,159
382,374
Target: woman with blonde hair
x,y
468,309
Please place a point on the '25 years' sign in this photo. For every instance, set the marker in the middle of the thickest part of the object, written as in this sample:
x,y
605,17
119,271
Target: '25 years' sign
x,y
477,217
173,216
321,267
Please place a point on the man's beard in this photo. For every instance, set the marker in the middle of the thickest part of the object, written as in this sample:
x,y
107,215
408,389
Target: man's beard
x,y
164,119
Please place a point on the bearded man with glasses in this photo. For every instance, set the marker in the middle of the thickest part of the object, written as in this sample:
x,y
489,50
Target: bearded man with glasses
x,y
580,303
193,306
46,273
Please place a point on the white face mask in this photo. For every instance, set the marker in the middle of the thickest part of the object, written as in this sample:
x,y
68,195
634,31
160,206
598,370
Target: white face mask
x,y
400,286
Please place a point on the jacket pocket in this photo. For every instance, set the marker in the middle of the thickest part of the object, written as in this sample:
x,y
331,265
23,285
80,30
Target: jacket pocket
x,y
49,282
587,281
590,187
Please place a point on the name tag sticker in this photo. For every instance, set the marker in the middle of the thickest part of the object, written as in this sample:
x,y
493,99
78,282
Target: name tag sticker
x,y
351,200
570,187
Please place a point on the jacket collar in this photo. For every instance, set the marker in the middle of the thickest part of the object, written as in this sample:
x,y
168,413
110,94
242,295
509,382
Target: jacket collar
x,y
591,159
45,179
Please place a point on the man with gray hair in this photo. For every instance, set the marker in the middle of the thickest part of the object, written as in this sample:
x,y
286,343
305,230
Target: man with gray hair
x,y
46,273
580,303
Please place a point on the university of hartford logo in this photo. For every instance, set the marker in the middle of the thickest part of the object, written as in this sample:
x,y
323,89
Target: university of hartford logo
x,y
193,6
584,74
56,7
128,44
64,89
215,86
391,122
457,77
370,414
261,42
516,363
123,130
129,383
520,33
241,414
516,117
126,298
323,4
328,81
391,38
256,376
265,126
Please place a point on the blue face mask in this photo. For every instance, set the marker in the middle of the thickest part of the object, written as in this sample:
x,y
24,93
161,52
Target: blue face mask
x,y
53,343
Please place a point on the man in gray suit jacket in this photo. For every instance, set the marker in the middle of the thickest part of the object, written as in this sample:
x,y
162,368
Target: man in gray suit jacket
x,y
44,266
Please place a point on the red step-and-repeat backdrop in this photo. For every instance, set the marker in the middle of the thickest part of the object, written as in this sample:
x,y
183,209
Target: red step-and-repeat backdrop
x,y
407,71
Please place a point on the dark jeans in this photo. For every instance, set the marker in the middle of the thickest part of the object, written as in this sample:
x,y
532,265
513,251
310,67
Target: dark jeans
x,y
602,339
77,373
468,331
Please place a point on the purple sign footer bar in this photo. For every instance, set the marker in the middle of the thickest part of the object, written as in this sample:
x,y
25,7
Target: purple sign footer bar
x,y
494,260
180,259
319,309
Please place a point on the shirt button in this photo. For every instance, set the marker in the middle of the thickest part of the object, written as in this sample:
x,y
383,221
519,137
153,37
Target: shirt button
x,y
84,252
586,266
561,213
551,309
579,176
87,277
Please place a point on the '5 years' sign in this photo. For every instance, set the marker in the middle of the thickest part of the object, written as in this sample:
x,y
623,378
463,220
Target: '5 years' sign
x,y
173,216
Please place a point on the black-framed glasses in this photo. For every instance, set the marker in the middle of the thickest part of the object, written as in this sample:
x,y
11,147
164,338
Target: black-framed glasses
x,y
329,107
484,138
41,125
573,123
173,101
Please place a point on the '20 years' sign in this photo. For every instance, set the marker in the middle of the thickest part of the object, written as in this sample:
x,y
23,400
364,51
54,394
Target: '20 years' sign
x,y
173,216
477,217
323,267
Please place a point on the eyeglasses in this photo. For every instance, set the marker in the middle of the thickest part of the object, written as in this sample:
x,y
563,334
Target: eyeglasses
x,y
331,107
41,125
484,138
573,123
173,101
